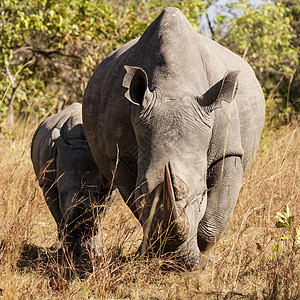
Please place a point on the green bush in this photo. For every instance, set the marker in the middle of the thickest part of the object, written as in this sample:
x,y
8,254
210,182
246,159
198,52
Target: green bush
x,y
49,48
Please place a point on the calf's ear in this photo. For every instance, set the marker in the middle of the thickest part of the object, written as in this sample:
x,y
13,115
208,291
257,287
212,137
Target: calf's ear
x,y
223,90
136,81
58,140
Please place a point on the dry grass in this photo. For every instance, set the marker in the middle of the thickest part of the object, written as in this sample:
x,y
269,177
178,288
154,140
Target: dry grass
x,y
247,267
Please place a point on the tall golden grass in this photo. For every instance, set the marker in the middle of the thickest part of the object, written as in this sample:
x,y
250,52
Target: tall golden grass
x,y
246,265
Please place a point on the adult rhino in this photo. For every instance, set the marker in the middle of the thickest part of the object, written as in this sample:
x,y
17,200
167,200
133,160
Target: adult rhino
x,y
174,119
67,173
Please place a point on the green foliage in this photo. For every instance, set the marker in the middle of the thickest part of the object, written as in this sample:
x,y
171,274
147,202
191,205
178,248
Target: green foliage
x,y
64,41
49,48
293,7
264,35
286,220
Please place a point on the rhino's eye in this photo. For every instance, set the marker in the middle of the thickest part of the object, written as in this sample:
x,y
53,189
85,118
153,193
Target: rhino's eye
x,y
203,198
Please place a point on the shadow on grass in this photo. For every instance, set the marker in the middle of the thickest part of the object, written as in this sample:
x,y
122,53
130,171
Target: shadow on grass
x,y
35,258
47,261
57,265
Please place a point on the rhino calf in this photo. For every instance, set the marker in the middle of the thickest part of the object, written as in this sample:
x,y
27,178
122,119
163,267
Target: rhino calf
x,y
68,175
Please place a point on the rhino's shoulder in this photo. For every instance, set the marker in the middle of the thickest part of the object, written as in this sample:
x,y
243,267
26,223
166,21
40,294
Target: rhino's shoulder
x,y
223,55
67,120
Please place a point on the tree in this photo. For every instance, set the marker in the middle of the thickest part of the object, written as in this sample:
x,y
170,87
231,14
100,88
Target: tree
x,y
54,45
264,36
293,10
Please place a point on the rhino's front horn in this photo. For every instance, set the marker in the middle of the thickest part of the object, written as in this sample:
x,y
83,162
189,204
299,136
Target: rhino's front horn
x,y
175,220
169,200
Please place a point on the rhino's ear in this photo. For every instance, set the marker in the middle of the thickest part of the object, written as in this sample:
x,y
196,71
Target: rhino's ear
x,y
224,90
58,140
136,81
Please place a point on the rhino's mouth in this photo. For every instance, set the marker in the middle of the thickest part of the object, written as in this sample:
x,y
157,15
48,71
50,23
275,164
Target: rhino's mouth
x,y
190,261
173,227
184,258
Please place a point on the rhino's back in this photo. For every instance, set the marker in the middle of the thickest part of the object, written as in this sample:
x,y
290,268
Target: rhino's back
x,y
69,121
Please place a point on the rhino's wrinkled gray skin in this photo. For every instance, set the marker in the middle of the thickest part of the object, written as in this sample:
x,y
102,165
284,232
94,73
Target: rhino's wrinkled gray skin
x,y
181,118
67,174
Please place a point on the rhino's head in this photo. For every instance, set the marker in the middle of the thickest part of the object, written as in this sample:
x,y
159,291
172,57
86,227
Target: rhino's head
x,y
77,176
173,136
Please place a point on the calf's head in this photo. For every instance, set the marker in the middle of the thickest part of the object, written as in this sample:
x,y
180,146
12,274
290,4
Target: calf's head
x,y
173,136
77,176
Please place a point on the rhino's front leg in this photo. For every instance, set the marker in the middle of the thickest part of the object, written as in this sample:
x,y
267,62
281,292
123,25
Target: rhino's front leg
x,y
223,181
51,196
78,225
81,223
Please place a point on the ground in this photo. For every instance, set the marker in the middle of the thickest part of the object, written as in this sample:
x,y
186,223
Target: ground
x,y
254,259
